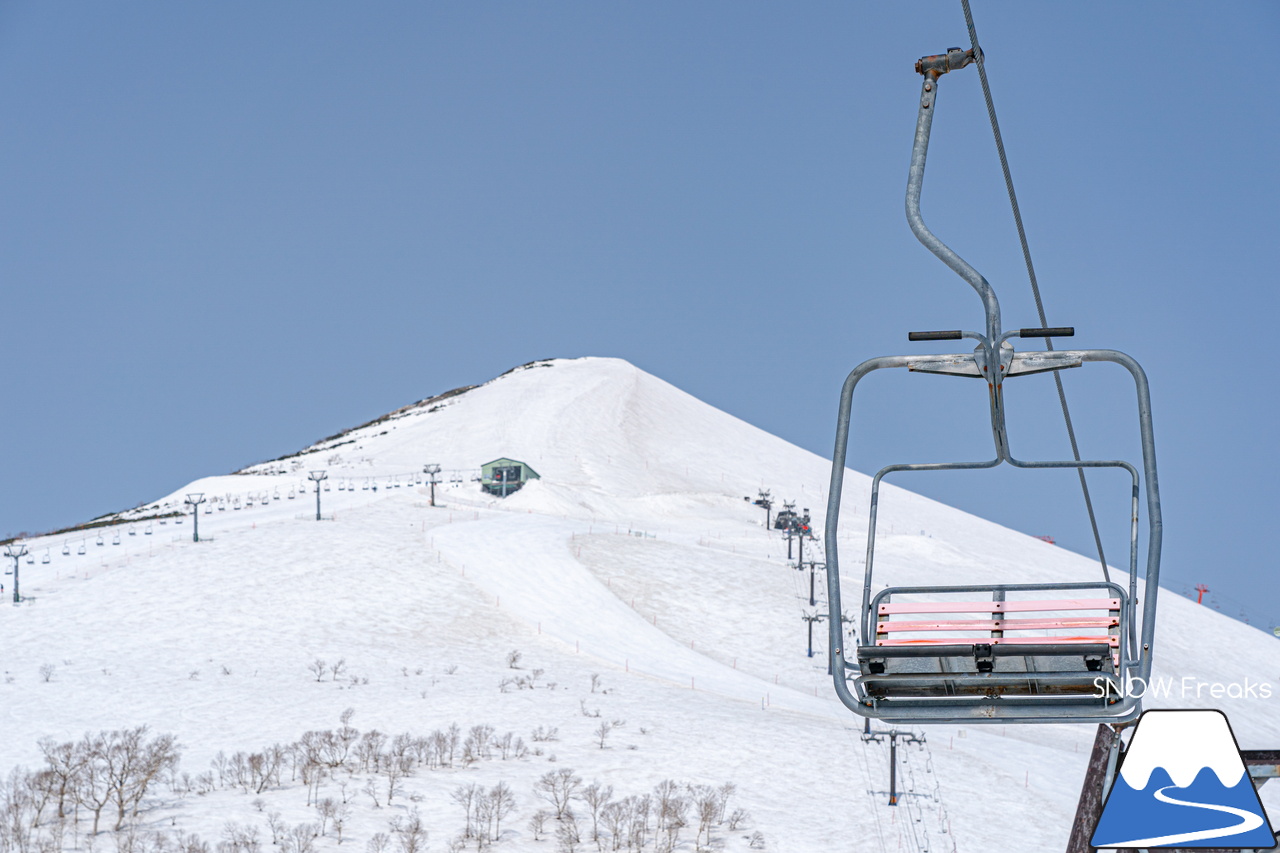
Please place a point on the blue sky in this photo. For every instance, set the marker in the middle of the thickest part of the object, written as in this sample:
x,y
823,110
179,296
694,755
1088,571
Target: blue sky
x,y
227,230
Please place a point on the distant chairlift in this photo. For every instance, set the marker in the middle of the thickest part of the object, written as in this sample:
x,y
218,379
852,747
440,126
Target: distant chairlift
x,y
45,559
992,652
133,531
101,541
115,540
66,550
80,550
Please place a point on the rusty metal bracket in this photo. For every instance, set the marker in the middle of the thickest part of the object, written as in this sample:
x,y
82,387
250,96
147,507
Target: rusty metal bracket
x,y
953,60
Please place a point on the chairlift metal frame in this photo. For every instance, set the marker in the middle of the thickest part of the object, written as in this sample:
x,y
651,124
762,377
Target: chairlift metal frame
x,y
996,678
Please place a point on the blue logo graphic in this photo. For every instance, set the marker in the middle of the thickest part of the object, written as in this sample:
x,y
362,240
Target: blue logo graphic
x,y
1183,784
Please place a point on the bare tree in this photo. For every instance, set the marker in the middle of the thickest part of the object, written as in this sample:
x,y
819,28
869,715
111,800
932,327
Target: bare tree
x,y
467,796
596,797
538,823
66,762
557,788
301,839
318,668
602,732
339,818
706,801
513,659
275,823
325,808
502,803
568,833
94,790
412,837
671,807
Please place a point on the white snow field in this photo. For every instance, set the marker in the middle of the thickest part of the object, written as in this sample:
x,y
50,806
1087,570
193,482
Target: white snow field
x,y
639,587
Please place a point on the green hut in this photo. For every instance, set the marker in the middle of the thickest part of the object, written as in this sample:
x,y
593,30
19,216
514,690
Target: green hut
x,y
503,476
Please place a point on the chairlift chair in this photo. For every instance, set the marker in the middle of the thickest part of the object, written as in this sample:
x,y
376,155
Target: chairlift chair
x,y
80,550
46,558
66,550
115,539
100,540
31,559
147,532
133,531
995,652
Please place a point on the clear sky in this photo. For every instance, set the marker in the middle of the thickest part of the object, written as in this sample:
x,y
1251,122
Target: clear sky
x,y
227,230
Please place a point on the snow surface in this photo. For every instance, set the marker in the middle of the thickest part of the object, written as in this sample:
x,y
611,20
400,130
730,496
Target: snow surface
x,y
634,558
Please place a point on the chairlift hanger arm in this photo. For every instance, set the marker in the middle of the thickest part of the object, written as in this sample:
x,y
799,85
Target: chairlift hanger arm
x,y
933,67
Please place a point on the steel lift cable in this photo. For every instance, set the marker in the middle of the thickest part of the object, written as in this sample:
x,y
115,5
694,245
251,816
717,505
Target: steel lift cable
x,y
1031,274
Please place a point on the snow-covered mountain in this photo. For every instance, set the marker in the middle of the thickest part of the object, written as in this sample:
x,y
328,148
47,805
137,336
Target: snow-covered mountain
x,y
629,599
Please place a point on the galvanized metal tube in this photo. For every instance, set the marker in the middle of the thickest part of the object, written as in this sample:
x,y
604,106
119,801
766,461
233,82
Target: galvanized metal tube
x,y
831,533
915,180
1155,533
875,503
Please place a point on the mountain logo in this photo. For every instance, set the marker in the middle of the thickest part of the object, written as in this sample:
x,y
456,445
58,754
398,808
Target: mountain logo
x,y
1183,784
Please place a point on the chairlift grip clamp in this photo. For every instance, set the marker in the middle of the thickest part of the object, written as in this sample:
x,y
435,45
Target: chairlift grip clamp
x,y
954,59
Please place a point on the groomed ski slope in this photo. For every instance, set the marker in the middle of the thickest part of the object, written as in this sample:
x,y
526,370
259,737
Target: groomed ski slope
x,y
633,558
